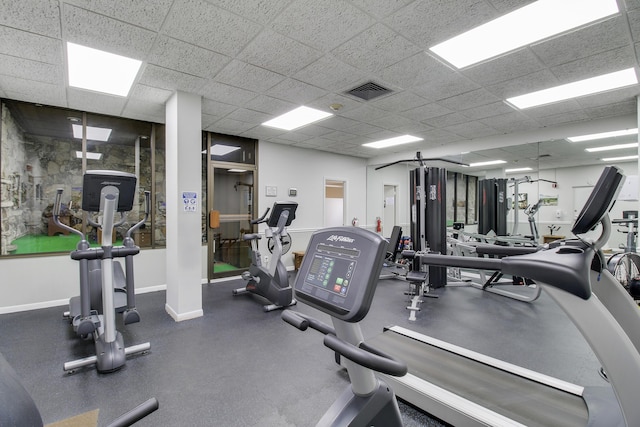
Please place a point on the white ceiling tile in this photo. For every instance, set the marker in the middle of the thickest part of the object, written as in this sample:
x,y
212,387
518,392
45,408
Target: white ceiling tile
x,y
446,120
314,130
30,46
426,112
427,23
524,84
330,73
278,53
414,128
503,68
634,23
261,132
270,105
595,65
474,98
593,39
247,76
32,91
164,78
443,86
35,16
295,91
187,58
612,110
364,129
488,110
84,100
509,122
208,26
108,34
216,108
30,70
380,8
556,119
144,13
150,94
414,71
229,126
399,101
261,11
231,95
293,137
551,109
338,136
321,24
471,130
347,102
145,110
249,116
375,48
364,114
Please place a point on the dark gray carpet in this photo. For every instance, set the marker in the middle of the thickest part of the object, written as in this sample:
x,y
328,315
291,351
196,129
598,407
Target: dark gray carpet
x,y
239,366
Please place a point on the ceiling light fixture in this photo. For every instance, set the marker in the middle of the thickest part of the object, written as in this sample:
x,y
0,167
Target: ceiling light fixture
x,y
297,118
517,170
90,156
237,170
617,159
537,21
390,142
93,133
612,147
100,71
488,163
222,150
603,83
603,135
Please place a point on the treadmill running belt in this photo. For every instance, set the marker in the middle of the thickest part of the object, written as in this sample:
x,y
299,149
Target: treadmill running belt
x,y
515,397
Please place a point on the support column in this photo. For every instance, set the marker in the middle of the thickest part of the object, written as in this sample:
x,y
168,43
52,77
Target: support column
x,y
184,204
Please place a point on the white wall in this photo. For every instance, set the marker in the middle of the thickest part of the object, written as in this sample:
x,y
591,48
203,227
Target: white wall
x,y
397,175
285,167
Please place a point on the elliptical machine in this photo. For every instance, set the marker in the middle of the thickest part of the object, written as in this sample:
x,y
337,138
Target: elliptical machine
x,y
84,308
271,282
107,192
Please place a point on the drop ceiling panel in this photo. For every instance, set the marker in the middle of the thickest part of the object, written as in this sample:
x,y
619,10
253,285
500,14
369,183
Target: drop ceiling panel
x,y
243,75
340,21
231,95
208,26
32,91
101,32
84,100
167,79
295,91
187,58
29,69
399,101
30,46
34,16
330,73
595,65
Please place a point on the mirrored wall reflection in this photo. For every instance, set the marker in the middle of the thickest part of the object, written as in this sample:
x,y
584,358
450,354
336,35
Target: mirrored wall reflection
x,y
46,148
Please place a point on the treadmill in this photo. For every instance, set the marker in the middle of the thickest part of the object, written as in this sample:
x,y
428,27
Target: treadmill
x,y
465,388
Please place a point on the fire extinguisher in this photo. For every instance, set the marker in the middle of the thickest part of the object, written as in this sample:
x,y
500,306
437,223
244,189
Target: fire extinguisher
x,y
378,225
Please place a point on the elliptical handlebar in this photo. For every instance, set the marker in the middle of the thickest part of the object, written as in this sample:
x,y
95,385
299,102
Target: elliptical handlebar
x,y
56,215
147,209
261,219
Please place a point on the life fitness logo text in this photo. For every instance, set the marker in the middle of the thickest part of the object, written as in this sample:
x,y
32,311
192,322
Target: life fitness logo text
x,y
336,238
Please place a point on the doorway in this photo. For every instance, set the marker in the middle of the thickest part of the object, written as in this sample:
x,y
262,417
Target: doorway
x,y
334,203
389,213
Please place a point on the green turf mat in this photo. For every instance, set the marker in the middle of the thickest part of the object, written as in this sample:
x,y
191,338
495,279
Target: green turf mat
x,y
44,244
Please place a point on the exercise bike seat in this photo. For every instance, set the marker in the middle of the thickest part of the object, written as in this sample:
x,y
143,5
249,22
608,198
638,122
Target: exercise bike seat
x,y
251,237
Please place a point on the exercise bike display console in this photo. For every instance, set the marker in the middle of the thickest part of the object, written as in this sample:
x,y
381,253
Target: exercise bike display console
x,y
338,276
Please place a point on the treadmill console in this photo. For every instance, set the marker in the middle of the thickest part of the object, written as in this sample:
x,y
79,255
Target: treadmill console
x,y
340,271
95,180
600,201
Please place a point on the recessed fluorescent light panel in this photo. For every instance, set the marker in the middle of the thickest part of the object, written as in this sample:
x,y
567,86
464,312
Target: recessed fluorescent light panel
x,y
618,159
93,133
100,71
603,135
529,24
90,156
605,82
390,142
488,163
222,150
517,170
612,147
297,118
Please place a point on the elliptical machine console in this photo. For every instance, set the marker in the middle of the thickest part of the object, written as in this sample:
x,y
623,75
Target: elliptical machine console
x,y
338,276
271,282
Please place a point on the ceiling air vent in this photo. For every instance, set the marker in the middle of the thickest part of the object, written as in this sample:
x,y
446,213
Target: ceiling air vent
x,y
368,91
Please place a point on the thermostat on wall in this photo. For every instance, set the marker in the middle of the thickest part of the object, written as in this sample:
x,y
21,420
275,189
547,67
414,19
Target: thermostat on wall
x,y
293,192
271,191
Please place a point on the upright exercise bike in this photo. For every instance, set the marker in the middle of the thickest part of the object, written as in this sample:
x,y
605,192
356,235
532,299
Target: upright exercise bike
x,y
107,192
271,282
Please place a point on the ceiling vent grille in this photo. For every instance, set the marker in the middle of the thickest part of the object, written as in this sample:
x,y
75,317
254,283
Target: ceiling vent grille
x,y
368,91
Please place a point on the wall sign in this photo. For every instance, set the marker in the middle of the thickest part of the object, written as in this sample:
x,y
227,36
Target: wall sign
x,y
190,201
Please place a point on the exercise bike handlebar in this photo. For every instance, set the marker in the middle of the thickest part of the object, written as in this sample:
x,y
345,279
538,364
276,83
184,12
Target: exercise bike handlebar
x,y
261,219
363,355
56,215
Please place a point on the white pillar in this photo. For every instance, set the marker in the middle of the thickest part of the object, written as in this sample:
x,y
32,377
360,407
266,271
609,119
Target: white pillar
x,y
184,181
